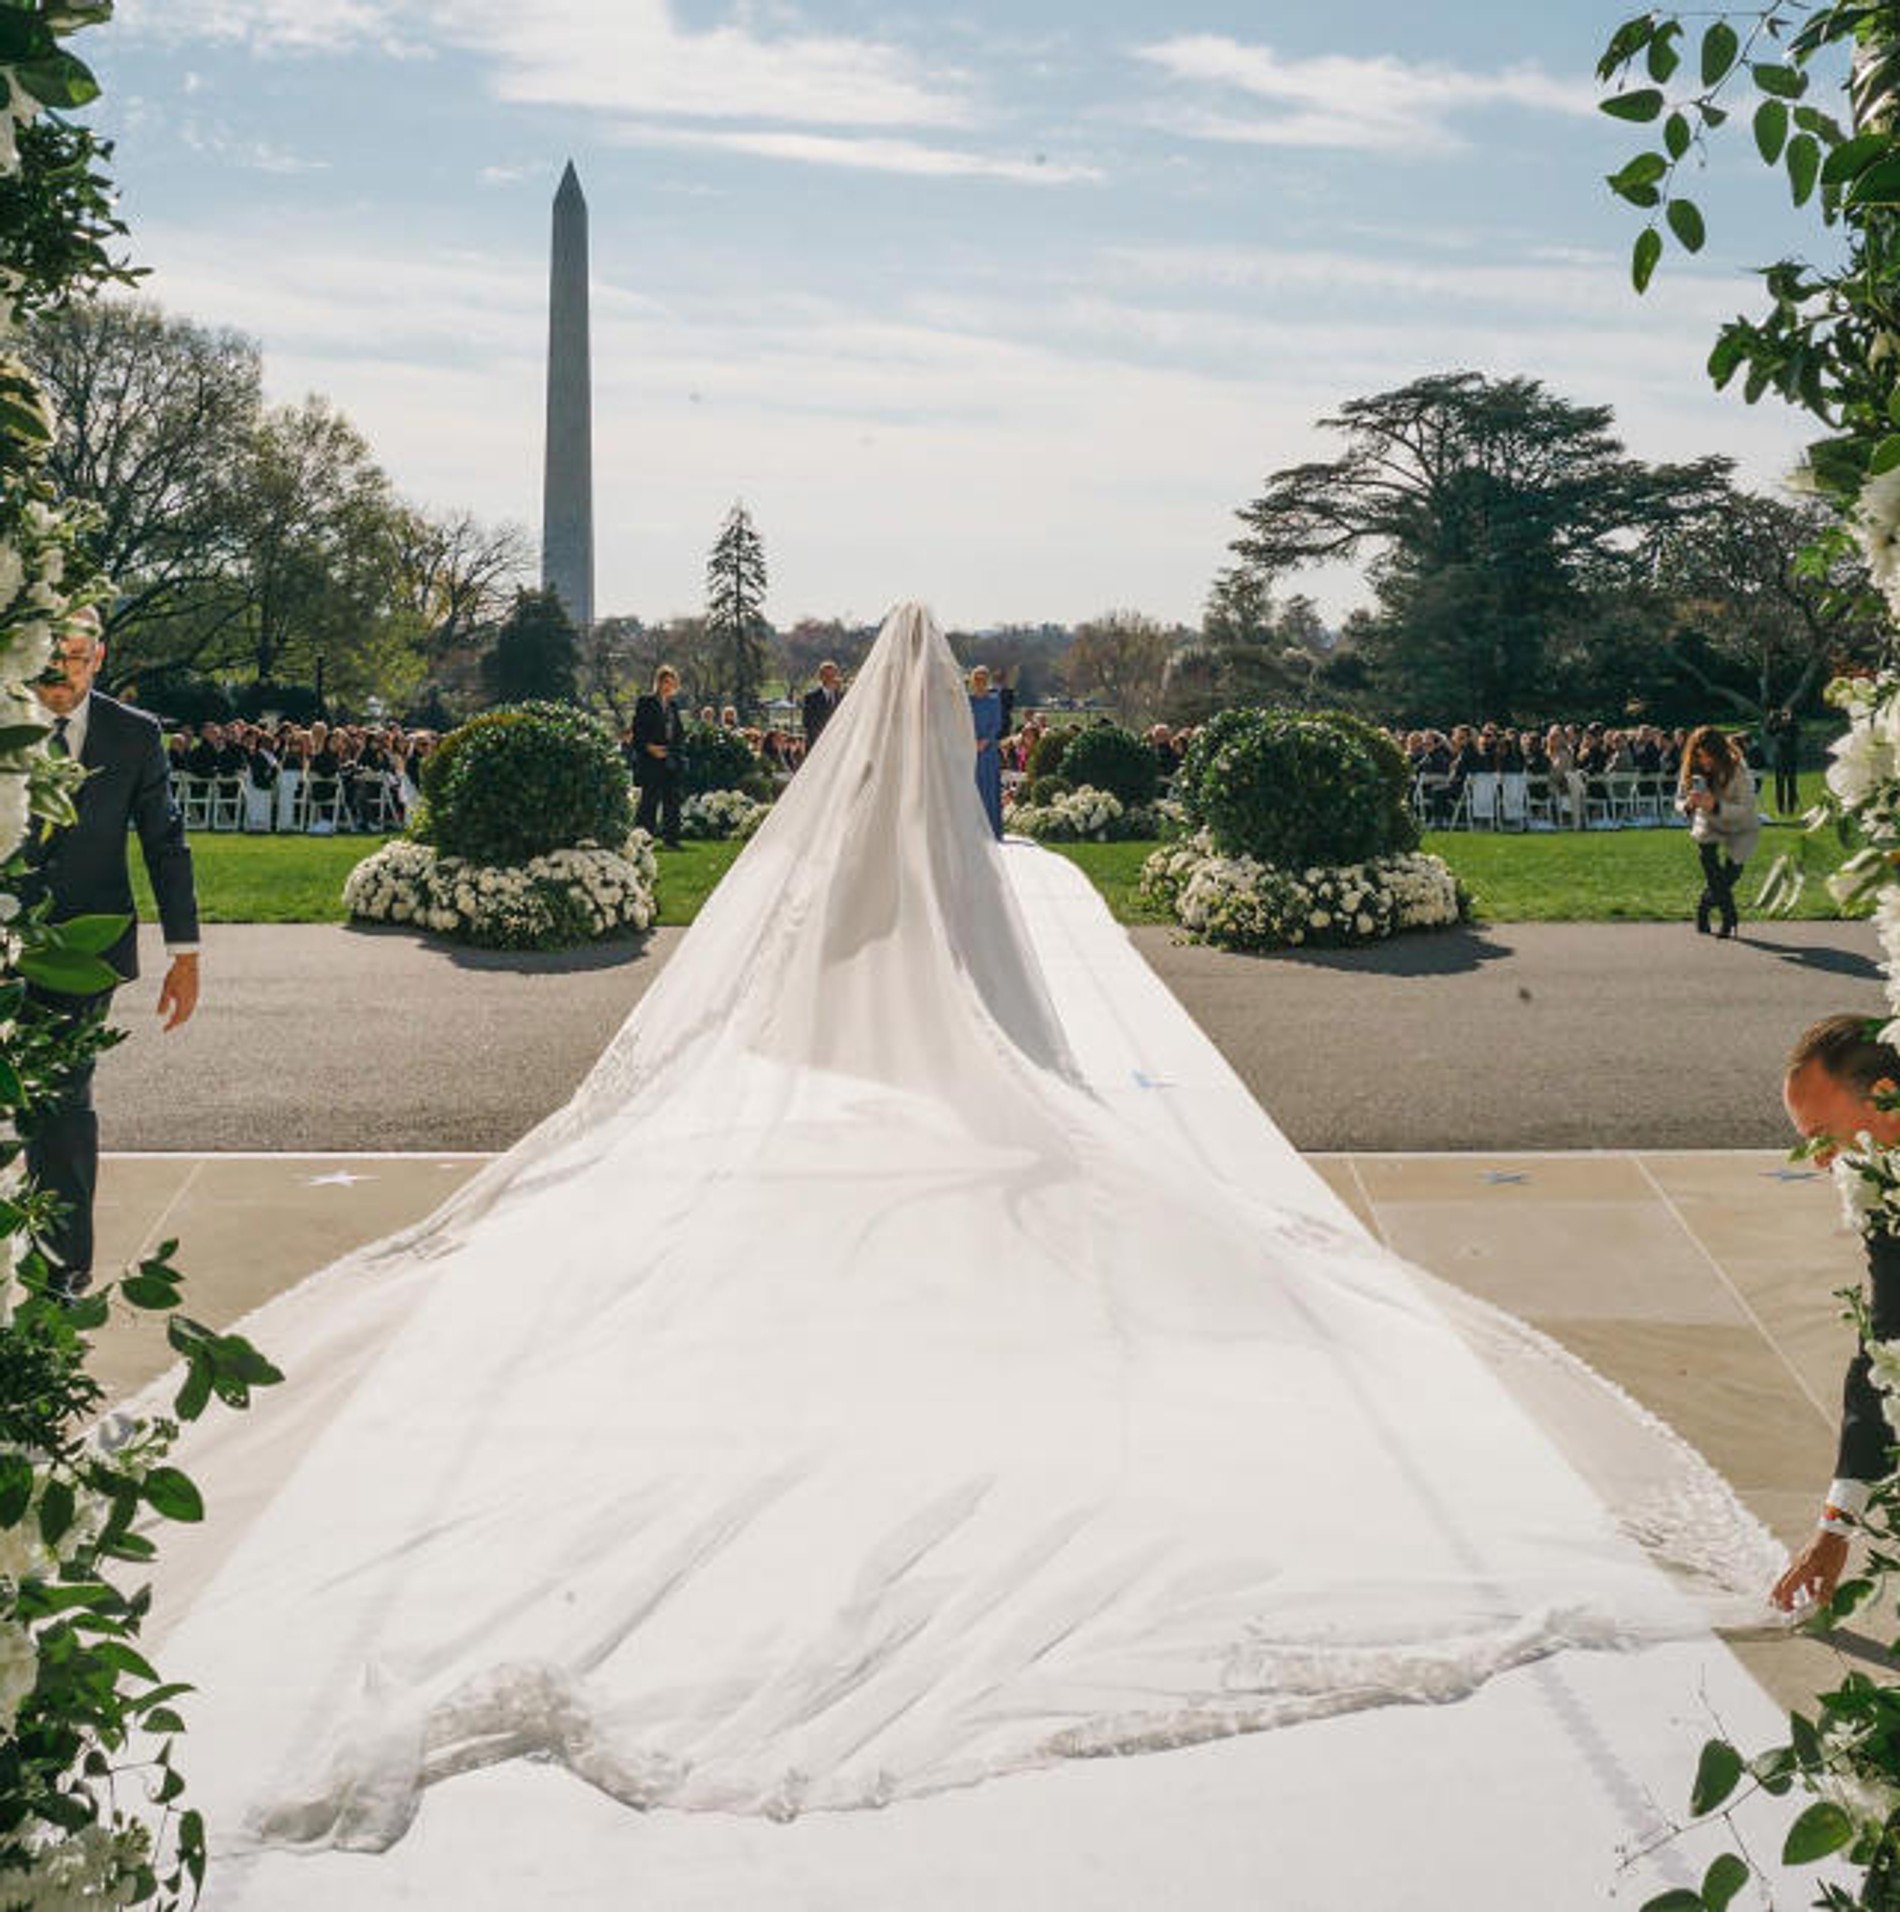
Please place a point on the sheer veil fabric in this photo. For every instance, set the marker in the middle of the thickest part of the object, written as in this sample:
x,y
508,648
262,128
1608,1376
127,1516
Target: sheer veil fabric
x,y
836,1403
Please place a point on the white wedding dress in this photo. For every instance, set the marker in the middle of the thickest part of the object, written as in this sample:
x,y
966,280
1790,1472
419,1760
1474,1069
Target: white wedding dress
x,y
842,1401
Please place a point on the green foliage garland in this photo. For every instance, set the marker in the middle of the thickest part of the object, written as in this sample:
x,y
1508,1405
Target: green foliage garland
x,y
81,1710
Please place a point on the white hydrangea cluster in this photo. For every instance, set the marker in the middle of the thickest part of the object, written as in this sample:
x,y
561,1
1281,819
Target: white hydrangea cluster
x,y
91,1869
1086,815
1238,902
406,882
713,815
1877,526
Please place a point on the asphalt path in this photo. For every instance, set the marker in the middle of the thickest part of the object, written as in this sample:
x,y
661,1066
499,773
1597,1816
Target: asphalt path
x,y
1508,1036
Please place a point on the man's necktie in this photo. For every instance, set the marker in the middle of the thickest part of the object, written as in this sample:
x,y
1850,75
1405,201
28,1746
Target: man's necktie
x,y
57,743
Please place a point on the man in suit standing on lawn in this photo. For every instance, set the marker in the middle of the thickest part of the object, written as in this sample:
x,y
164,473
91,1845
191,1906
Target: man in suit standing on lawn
x,y
820,703
82,867
659,753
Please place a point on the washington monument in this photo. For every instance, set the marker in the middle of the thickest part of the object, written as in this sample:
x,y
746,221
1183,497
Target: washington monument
x,y
567,488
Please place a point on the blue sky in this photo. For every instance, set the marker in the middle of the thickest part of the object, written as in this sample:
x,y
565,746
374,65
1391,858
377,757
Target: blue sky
x,y
1006,308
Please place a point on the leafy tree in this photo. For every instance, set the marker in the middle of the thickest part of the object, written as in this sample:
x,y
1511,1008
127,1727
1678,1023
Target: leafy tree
x,y
156,420
737,632
456,576
536,654
1498,517
1120,659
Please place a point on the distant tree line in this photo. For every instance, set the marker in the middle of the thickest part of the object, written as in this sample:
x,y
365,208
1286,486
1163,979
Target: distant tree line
x,y
1521,565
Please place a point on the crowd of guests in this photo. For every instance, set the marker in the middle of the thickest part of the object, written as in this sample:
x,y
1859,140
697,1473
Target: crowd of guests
x,y
373,769
1575,758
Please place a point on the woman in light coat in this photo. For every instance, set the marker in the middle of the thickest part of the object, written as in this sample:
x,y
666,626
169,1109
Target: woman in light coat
x,y
1715,790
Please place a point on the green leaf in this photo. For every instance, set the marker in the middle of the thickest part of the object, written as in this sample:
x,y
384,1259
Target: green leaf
x,y
1804,166
1643,104
1886,455
1876,183
12,1090
173,1494
1685,221
1822,1829
1676,135
195,1395
1774,1770
87,1313
163,1719
22,36
57,1506
1648,255
1679,1900
150,1291
1717,1774
1783,82
19,736
124,1659
1771,129
58,80
91,935
1663,58
1722,1881
1720,45
1728,353
67,972
16,1488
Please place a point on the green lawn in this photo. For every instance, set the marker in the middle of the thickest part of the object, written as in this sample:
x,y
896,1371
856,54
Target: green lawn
x,y
1571,876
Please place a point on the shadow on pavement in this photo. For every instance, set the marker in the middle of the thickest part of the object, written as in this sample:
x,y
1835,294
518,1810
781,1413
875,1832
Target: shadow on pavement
x,y
1445,952
615,954
1833,962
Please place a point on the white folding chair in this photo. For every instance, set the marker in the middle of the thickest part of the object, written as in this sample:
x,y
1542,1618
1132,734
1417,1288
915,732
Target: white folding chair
x,y
195,797
376,802
1540,804
227,803
1514,800
291,799
1481,799
325,812
260,809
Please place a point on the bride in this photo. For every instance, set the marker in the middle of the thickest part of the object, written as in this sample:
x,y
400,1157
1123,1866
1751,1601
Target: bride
x,y
844,1399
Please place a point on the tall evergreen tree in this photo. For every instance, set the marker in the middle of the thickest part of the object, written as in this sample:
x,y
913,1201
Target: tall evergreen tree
x,y
736,629
537,652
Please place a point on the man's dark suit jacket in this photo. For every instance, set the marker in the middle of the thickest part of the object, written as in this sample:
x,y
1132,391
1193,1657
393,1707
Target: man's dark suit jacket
x,y
818,711
84,865
1866,1439
655,722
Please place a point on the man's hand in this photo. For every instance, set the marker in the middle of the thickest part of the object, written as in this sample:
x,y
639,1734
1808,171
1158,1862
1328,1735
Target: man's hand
x,y
179,996
1814,1572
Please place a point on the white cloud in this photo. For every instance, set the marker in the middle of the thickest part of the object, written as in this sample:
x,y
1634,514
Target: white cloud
x,y
1062,443
870,155
1377,104
628,58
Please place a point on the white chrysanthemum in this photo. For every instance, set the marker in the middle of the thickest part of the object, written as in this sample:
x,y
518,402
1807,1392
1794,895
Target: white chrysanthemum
x,y
16,816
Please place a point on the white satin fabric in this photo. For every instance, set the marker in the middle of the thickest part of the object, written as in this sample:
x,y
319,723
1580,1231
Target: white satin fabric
x,y
838,1402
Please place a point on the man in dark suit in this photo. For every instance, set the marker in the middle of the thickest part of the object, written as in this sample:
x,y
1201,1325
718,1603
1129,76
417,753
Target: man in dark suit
x,y
82,867
659,757
820,703
1838,1075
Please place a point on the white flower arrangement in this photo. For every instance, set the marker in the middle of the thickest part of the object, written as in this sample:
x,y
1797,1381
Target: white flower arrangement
x,y
583,892
714,815
1238,902
1086,815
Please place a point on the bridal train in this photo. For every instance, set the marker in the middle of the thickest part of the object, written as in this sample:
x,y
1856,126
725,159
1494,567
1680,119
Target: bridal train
x,y
910,1361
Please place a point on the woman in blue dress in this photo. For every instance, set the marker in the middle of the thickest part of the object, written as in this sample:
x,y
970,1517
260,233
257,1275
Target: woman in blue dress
x,y
986,712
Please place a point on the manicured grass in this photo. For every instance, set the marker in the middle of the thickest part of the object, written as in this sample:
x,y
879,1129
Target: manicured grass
x,y
1568,876
267,879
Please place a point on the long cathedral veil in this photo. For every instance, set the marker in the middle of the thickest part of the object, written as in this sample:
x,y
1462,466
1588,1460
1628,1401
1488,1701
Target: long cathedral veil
x,y
836,1402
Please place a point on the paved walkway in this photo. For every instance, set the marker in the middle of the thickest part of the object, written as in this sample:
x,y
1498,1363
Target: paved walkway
x,y
1528,1036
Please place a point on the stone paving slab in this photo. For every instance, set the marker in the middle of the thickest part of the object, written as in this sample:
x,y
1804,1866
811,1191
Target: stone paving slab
x,y
1700,1282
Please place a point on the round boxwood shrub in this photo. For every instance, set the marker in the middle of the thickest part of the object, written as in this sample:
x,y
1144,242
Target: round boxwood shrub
x,y
1107,757
1047,789
1298,788
716,759
524,779
1046,759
